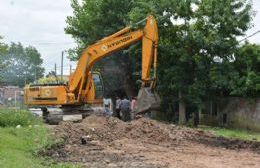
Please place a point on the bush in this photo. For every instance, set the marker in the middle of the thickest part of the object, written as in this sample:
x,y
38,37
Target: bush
x,y
9,118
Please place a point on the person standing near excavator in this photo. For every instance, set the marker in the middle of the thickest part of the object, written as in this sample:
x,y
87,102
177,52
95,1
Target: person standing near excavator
x,y
125,109
117,111
133,107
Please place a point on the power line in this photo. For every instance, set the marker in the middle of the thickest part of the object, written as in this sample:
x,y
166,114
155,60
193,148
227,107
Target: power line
x,y
51,43
249,36
43,42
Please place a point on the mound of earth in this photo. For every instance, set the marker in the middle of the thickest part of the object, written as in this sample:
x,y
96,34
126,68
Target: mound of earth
x,y
109,142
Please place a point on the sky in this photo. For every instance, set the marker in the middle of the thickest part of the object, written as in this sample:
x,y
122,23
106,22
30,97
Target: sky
x,y
41,23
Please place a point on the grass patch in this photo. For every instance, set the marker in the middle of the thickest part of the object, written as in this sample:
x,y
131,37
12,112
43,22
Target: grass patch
x,y
11,118
233,133
19,146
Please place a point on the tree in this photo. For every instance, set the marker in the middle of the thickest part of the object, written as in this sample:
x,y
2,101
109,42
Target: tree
x,y
23,64
3,50
246,80
48,80
196,45
197,42
51,78
3,46
51,73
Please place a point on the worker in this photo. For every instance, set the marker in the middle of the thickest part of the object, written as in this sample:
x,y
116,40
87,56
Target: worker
x,y
117,112
133,107
125,109
107,107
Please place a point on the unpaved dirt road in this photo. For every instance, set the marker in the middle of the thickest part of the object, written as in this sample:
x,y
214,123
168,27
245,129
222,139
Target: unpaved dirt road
x,y
108,142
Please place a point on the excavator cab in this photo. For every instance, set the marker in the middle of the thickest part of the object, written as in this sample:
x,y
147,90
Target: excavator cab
x,y
99,86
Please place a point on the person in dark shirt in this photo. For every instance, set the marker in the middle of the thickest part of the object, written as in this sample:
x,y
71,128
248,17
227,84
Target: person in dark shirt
x,y
117,112
125,109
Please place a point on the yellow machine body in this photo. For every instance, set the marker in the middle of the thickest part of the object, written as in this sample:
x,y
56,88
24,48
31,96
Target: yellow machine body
x,y
52,95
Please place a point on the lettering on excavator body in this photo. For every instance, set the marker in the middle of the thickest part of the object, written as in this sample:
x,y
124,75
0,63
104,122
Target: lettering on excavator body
x,y
119,42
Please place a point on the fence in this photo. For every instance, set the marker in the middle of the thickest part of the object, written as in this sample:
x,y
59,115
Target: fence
x,y
11,97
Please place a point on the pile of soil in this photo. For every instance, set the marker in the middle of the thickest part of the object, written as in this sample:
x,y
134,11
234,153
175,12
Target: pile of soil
x,y
100,141
109,129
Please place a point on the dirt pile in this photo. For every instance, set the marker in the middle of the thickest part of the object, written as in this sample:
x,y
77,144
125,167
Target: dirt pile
x,y
109,142
110,129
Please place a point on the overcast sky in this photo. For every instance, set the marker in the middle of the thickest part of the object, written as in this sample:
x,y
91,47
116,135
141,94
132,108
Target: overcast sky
x,y
41,23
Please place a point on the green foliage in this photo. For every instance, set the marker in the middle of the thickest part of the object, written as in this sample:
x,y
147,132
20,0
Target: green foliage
x,y
196,45
196,48
20,146
23,64
52,78
9,117
3,50
3,46
233,133
47,80
246,81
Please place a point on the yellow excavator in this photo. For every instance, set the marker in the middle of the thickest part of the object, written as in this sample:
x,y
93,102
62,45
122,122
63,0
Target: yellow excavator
x,y
85,87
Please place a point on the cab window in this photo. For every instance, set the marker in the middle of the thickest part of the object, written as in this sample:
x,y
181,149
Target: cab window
x,y
98,86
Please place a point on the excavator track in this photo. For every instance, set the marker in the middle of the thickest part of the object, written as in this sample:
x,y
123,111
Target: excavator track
x,y
54,115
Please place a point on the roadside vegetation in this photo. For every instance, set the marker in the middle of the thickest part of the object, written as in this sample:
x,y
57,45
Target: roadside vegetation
x,y
20,144
12,118
233,133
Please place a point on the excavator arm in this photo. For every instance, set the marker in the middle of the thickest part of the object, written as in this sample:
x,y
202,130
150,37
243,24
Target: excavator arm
x,y
124,38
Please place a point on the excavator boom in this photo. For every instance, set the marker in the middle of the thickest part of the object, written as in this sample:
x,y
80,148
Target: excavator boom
x,y
124,38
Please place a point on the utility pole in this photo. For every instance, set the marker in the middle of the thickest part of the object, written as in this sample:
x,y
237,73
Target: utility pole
x,y
55,73
35,75
15,100
61,74
55,69
70,69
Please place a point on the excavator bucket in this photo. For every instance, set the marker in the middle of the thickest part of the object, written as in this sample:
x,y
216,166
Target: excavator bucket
x,y
147,101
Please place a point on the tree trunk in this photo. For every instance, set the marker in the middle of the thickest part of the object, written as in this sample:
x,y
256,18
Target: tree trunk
x,y
182,110
196,118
